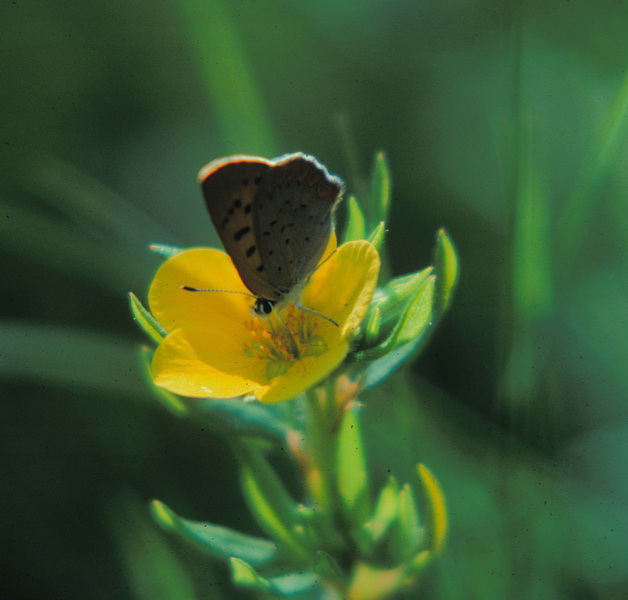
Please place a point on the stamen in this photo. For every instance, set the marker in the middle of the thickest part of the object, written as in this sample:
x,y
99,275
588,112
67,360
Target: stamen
x,y
285,336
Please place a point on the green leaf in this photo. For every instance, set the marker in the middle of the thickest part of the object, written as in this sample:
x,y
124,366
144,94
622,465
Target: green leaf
x,y
233,92
412,324
416,317
326,565
146,321
356,228
380,369
165,250
373,323
433,508
237,417
245,575
220,542
286,586
385,511
446,269
352,469
380,188
410,529
377,235
271,505
394,297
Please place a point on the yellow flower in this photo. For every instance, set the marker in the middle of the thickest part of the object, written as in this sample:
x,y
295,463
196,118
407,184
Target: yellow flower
x,y
217,347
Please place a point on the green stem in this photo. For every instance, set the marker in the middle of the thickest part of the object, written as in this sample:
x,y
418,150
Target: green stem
x,y
321,444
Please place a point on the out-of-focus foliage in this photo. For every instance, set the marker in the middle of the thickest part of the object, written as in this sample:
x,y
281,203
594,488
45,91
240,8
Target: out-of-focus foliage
x,y
503,122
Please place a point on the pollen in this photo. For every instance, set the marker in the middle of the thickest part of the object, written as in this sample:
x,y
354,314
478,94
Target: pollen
x,y
284,337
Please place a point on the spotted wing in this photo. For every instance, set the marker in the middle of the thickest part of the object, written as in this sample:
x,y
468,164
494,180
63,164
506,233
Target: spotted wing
x,y
293,218
230,186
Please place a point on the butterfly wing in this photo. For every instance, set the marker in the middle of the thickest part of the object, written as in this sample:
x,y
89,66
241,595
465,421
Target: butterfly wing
x,y
229,187
292,215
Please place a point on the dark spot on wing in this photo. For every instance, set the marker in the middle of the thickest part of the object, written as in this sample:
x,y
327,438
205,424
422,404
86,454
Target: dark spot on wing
x,y
237,203
250,251
260,268
241,233
247,209
307,239
287,240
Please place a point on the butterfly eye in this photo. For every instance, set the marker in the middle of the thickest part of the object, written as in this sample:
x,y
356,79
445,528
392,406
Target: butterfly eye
x,y
263,306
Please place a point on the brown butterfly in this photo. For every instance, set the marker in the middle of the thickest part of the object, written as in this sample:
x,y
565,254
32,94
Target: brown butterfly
x,y
274,218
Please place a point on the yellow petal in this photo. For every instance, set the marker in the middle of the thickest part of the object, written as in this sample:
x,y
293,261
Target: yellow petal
x,y
305,373
342,287
203,268
208,362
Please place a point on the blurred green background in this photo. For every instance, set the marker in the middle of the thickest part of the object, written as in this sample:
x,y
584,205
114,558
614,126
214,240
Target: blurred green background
x,y
503,122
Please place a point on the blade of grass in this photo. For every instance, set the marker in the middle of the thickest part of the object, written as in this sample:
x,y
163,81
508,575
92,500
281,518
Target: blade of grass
x,y
228,76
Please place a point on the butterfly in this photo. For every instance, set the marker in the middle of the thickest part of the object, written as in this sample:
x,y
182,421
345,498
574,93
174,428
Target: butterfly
x,y
274,218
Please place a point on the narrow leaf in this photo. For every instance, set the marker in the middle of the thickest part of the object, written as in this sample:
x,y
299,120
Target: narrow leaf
x,y
352,469
242,418
381,188
433,508
411,325
245,575
221,542
446,268
326,566
394,298
145,320
385,511
373,324
271,505
380,369
285,586
410,528
377,235
356,228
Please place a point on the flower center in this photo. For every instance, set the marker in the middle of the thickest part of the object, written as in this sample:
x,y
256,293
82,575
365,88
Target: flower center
x,y
283,337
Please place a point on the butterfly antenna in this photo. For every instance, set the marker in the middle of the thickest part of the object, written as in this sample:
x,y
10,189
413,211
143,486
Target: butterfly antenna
x,y
315,312
326,259
187,288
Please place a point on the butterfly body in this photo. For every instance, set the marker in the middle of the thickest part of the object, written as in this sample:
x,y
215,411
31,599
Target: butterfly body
x,y
274,218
